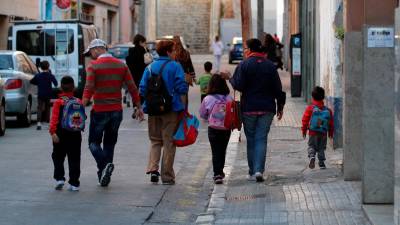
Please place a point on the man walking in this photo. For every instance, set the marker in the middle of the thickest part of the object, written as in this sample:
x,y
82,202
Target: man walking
x,y
218,50
105,77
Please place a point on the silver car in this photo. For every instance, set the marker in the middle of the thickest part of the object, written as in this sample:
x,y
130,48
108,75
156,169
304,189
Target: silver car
x,y
2,108
17,69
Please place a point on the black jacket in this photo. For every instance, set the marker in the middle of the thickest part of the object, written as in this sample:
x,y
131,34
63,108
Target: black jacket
x,y
43,80
135,62
261,87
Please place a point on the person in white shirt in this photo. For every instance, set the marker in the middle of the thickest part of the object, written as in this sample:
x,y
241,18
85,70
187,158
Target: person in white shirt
x,y
218,48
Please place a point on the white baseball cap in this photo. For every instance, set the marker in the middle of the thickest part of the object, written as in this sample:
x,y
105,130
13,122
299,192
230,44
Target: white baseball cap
x,y
93,44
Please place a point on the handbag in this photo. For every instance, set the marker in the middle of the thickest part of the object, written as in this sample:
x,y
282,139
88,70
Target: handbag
x,y
233,116
187,130
148,58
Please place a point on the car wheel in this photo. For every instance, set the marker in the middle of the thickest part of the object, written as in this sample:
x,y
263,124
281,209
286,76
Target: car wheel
x,y
26,118
2,119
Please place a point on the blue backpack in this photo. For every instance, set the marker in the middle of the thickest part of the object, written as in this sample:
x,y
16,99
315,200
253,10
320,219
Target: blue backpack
x,y
320,119
73,115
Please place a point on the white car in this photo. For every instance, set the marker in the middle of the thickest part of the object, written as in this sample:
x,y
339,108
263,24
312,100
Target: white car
x,y
16,70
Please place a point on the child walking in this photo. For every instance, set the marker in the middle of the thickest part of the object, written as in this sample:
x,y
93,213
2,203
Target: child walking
x,y
213,109
205,79
44,80
67,122
318,120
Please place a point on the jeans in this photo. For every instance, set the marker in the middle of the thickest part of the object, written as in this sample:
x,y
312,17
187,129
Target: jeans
x,y
103,129
219,142
217,63
317,144
69,146
256,128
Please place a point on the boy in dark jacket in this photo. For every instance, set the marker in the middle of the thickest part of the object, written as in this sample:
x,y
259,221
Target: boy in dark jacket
x,y
44,80
318,120
65,142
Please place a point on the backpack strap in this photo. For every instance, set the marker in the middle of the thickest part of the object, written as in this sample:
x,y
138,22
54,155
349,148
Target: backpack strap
x,y
162,67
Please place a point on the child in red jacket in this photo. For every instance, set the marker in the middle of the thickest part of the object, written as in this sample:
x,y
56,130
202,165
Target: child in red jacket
x,y
66,142
318,120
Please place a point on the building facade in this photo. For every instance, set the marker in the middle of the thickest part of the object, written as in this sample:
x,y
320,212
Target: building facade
x,y
15,10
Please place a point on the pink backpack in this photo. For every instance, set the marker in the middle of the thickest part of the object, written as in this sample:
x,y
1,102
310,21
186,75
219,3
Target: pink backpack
x,y
217,115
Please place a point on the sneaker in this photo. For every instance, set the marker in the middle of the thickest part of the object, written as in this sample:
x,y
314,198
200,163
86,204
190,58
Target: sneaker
x,y
38,127
259,177
106,175
154,178
124,100
59,185
218,179
312,163
128,104
171,182
73,188
322,165
251,177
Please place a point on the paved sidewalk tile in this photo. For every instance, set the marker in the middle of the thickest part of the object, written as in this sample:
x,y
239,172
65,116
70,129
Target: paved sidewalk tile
x,y
292,193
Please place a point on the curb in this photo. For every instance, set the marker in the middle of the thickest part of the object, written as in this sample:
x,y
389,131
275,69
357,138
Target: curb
x,y
217,199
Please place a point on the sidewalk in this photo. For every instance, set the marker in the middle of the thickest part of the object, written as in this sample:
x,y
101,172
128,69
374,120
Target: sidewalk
x,y
292,193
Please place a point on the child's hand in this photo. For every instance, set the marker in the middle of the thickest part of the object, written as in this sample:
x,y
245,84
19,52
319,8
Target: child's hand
x,y
279,114
55,138
304,135
140,115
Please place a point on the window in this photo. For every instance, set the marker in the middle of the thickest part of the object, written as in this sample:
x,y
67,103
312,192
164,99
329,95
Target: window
x,y
23,65
46,42
6,62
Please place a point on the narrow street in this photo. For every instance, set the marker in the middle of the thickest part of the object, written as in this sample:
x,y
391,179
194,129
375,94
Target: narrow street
x,y
28,197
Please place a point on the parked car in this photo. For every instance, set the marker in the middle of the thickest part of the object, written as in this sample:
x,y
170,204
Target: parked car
x,y
17,69
120,51
236,51
2,108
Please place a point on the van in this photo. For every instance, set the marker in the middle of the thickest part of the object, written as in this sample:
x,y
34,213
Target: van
x,y
61,43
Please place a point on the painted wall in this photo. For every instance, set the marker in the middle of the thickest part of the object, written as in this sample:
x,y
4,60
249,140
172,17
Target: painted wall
x,y
329,69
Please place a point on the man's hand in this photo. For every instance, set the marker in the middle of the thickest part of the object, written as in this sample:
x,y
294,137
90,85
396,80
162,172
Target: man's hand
x,y
55,138
139,115
85,102
279,115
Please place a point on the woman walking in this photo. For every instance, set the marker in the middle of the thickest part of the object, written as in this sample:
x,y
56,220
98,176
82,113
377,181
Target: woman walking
x,y
162,121
262,97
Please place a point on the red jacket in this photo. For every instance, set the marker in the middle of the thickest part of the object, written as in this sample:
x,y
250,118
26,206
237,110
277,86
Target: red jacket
x,y
55,114
307,117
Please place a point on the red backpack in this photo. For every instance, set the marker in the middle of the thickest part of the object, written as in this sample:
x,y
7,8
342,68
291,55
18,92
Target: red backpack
x,y
233,116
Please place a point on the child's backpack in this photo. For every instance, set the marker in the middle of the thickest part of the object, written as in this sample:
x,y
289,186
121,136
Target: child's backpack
x,y
73,115
158,100
319,121
233,117
216,119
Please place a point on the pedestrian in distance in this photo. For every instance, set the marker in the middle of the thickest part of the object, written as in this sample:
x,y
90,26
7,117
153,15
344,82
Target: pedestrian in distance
x,y
318,121
105,77
67,123
213,109
204,80
44,81
262,98
218,50
164,89
136,63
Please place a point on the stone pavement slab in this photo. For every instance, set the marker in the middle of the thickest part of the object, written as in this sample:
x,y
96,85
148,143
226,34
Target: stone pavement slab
x,y
292,193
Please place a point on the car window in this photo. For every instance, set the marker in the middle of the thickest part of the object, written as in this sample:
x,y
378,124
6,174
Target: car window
x,y
31,65
22,64
6,62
